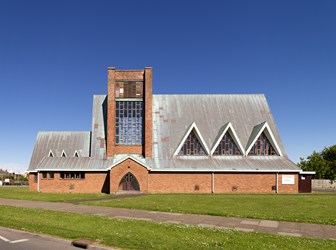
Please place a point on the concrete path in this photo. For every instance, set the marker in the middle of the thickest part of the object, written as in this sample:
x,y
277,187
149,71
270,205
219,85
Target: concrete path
x,y
241,224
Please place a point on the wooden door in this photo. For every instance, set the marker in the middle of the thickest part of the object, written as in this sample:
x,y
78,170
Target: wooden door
x,y
129,183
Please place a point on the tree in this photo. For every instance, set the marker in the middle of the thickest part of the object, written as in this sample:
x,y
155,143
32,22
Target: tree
x,y
329,155
316,163
323,163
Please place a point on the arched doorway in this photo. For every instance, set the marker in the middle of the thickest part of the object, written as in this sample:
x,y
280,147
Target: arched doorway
x,y
129,183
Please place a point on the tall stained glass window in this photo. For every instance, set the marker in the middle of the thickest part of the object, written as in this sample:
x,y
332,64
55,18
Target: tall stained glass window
x,y
129,122
262,146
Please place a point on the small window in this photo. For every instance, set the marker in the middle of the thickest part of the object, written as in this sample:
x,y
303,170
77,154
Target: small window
x,y
51,175
63,154
51,154
72,175
44,175
76,154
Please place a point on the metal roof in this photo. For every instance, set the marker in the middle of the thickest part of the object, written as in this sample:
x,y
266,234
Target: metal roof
x,y
228,163
70,142
99,117
172,117
86,163
73,163
173,114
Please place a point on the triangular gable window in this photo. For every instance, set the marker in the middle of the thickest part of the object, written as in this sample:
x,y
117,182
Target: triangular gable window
x,y
76,154
192,145
50,154
262,146
63,154
227,146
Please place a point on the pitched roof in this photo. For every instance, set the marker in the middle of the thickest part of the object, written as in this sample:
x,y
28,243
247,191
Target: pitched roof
x,y
56,142
99,112
172,119
173,114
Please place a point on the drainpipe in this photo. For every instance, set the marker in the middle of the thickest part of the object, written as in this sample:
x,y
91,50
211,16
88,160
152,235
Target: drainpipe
x,y
277,183
38,182
212,182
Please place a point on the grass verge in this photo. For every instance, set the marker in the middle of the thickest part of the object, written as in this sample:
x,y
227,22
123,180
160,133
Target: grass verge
x,y
23,193
298,208
132,234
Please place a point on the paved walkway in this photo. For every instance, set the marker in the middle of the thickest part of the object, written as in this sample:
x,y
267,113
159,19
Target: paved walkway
x,y
241,224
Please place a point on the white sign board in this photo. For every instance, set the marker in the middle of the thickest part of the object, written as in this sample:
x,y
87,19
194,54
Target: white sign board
x,y
288,179
0,183
7,181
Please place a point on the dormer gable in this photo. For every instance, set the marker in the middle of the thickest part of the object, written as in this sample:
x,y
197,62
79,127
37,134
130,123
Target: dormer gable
x,y
192,143
51,154
262,141
63,154
227,143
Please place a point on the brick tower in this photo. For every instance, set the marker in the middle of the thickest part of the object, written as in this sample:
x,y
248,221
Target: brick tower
x,y
129,112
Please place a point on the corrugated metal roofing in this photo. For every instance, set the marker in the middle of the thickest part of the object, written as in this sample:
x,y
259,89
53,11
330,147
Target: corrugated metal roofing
x,y
70,142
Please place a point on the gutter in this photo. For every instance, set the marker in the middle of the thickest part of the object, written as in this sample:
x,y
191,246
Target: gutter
x,y
226,170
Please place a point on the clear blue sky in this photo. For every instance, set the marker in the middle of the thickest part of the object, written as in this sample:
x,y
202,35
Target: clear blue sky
x,y
54,56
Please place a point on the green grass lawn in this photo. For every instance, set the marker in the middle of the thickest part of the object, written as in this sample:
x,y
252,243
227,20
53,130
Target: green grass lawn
x,y
23,193
300,208
132,234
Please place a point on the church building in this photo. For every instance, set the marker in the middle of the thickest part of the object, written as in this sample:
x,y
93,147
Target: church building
x,y
223,143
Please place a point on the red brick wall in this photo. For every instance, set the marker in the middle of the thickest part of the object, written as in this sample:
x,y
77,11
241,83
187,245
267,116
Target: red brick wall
x,y
128,149
94,182
223,183
288,188
244,183
148,112
129,75
119,171
111,112
32,183
180,182
154,182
